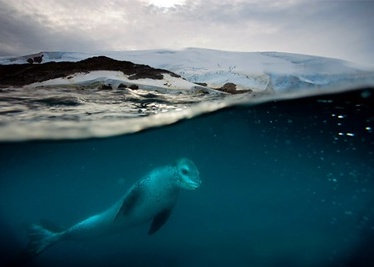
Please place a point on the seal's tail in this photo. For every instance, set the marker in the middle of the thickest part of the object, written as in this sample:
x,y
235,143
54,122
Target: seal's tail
x,y
40,239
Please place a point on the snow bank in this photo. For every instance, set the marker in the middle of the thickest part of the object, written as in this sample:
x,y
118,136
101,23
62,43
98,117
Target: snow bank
x,y
115,79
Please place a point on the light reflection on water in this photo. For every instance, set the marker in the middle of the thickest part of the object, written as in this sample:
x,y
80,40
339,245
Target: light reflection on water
x,y
66,113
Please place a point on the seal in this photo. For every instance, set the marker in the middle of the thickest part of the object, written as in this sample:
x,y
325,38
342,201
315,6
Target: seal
x,y
152,198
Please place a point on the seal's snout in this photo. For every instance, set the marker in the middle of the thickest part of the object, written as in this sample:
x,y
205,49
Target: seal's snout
x,y
195,183
190,184
189,174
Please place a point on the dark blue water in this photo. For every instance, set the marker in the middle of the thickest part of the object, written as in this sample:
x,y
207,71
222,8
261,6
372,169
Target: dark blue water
x,y
287,183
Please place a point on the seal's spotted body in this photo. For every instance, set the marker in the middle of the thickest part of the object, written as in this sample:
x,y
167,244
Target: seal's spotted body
x,y
152,198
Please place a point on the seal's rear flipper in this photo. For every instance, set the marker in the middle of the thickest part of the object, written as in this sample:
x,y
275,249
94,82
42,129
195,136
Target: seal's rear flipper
x,y
40,239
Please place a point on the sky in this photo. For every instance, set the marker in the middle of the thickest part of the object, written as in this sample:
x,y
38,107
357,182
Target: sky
x,y
332,28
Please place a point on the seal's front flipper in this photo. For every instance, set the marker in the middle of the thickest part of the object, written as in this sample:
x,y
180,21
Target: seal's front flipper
x,y
159,220
130,201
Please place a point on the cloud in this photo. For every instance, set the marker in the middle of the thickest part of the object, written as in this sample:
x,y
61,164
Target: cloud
x,y
32,30
327,28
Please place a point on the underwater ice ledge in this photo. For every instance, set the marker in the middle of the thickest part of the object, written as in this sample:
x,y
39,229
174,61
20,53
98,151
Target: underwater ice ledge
x,y
64,130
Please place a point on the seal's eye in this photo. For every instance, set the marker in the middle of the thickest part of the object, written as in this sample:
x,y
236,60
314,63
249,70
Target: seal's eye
x,y
184,171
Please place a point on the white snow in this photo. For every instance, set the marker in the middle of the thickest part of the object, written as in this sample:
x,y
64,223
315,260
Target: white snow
x,y
114,79
258,71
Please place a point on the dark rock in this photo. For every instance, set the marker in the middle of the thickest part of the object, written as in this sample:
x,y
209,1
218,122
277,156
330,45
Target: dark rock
x,y
38,59
30,60
122,86
105,87
202,84
134,87
146,74
229,88
23,74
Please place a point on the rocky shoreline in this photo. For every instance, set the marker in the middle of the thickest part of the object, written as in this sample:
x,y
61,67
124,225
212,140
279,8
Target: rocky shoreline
x,y
18,75
24,74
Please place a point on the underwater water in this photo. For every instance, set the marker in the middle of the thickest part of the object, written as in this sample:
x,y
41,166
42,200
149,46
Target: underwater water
x,y
284,183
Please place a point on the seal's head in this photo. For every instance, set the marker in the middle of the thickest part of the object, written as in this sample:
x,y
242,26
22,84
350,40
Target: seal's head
x,y
187,174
